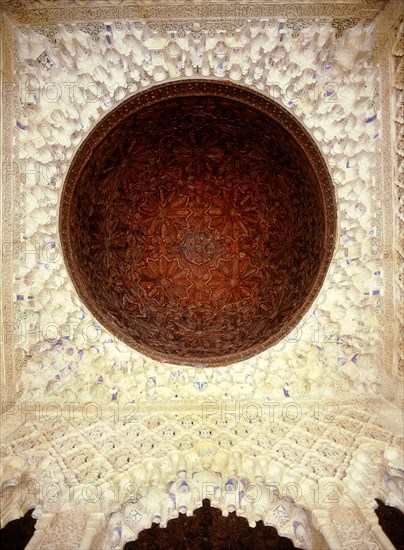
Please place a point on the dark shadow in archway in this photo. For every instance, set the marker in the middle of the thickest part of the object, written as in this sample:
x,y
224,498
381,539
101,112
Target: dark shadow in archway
x,y
17,533
391,520
207,529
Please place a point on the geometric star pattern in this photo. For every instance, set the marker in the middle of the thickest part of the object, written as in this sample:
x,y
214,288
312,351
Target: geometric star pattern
x,y
194,224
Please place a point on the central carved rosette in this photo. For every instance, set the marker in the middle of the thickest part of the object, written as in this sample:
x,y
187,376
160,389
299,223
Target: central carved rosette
x,y
196,253
200,228
198,248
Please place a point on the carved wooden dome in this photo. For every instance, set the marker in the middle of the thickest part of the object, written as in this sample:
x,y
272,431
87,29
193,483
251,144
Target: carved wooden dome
x,y
197,222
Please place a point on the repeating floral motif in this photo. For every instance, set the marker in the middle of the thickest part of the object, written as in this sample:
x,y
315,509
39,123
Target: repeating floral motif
x,y
109,245
167,215
199,154
165,280
233,213
233,281
198,226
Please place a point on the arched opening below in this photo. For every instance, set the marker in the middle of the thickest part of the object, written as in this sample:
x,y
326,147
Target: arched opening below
x,y
208,529
391,520
17,533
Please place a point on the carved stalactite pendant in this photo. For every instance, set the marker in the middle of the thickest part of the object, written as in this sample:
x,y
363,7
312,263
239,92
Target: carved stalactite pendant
x,y
197,222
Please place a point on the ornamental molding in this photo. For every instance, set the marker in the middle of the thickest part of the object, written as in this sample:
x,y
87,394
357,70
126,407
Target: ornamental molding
x,y
389,59
43,12
8,229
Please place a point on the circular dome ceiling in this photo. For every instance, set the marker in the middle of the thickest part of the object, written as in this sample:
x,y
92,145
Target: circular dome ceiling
x,y
197,222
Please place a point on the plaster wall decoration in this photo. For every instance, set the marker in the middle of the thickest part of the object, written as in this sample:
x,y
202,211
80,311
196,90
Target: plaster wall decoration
x,y
7,229
338,345
389,58
225,14
398,141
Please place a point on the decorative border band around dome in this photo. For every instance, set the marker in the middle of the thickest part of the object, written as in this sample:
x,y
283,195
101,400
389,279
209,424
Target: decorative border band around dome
x,y
191,88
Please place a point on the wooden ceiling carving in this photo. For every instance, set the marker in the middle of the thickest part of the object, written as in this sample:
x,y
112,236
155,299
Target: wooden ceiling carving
x,y
207,529
197,222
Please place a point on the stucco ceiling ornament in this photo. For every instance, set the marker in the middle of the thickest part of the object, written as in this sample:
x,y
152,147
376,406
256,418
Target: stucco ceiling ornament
x,y
287,474
344,323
